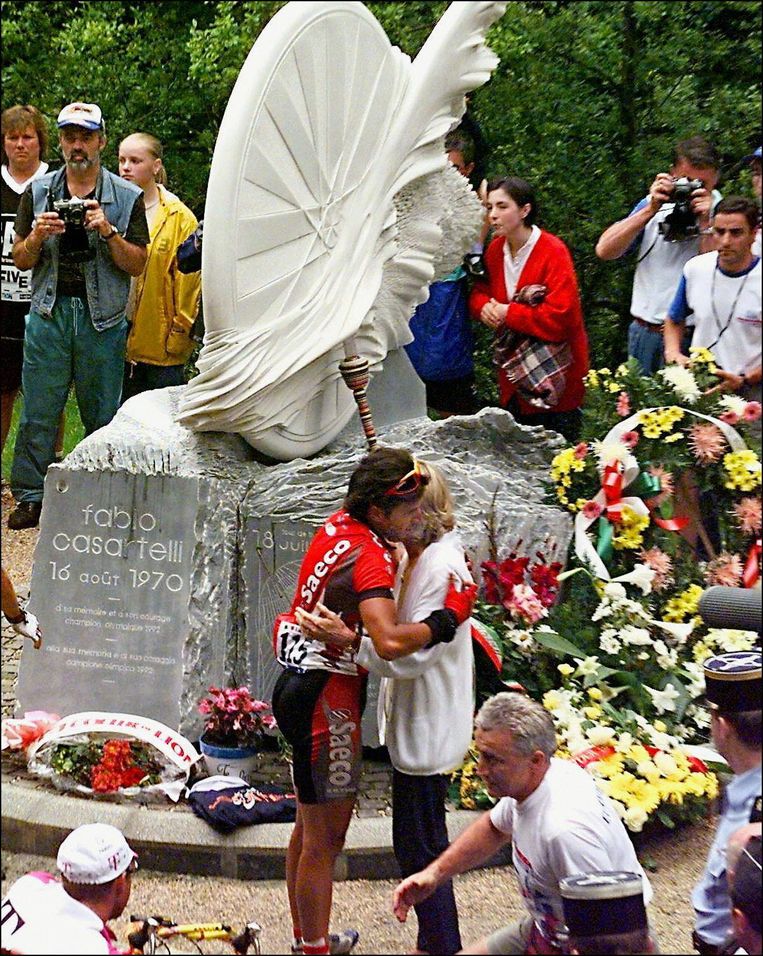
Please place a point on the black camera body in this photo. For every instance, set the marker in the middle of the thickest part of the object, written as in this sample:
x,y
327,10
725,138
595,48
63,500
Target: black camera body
x,y
71,211
681,224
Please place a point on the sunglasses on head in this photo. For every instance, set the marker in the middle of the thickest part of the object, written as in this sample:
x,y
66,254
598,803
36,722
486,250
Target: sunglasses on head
x,y
409,483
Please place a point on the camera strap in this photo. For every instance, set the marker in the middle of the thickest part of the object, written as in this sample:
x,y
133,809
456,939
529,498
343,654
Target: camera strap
x,y
654,243
732,310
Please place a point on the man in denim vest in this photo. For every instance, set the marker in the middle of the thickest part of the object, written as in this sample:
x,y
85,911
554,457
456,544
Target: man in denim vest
x,y
83,232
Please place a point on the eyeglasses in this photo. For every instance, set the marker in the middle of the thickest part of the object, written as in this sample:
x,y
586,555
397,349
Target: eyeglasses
x,y
132,867
409,483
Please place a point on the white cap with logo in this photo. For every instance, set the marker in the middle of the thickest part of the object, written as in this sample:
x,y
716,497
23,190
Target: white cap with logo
x,y
87,115
94,853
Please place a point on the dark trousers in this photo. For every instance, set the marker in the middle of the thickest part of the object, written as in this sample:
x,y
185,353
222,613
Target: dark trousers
x,y
567,424
419,835
141,377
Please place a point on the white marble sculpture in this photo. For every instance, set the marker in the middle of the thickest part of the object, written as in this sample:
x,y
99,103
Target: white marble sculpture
x,y
329,135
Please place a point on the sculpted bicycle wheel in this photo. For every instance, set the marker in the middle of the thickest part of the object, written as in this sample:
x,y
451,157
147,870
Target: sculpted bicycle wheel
x,y
326,124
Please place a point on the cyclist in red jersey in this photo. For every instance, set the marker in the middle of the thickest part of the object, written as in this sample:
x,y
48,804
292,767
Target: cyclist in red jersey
x,y
318,699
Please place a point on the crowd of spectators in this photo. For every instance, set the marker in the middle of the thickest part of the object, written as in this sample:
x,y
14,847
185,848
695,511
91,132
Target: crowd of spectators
x,y
104,297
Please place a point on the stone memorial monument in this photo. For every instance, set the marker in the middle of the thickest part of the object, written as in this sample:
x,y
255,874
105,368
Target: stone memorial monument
x,y
171,538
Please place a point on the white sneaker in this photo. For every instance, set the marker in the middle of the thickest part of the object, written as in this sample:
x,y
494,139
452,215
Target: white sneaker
x,y
339,943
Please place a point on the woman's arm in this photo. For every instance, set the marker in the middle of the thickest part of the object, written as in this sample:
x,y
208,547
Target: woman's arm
x,y
550,320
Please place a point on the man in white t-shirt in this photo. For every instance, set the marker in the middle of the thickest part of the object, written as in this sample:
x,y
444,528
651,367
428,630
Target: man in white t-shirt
x,y
43,915
722,290
661,257
552,812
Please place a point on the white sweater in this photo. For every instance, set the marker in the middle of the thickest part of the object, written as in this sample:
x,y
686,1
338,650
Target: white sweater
x,y
426,700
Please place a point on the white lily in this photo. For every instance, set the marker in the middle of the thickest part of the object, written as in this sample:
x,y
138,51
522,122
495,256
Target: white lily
x,y
641,575
664,700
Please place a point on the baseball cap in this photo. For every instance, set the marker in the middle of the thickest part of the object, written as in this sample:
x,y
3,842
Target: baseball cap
x,y
87,115
94,853
755,154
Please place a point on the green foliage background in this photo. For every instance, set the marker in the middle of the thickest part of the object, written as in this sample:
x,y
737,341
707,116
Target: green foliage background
x,y
586,103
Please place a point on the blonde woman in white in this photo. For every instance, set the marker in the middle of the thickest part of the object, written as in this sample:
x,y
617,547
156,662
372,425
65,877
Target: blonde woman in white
x,y
426,705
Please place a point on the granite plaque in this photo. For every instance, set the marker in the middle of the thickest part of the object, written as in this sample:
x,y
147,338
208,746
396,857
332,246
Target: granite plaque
x,y
110,585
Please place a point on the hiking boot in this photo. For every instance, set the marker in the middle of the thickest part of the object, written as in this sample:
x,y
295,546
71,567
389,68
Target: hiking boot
x,y
339,943
26,514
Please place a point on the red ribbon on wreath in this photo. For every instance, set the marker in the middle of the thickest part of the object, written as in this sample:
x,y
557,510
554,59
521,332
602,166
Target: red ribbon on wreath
x,y
752,565
612,486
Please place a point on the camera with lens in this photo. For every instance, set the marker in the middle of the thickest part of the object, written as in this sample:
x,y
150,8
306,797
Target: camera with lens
x,y
474,265
71,211
681,224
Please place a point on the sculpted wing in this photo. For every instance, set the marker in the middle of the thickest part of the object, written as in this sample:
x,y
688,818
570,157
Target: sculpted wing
x,y
326,125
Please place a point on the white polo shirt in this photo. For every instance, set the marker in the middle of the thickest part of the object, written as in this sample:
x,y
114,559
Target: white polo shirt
x,y
565,827
38,916
659,264
727,311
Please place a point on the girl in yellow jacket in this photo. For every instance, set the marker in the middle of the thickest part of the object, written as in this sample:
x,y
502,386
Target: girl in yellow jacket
x,y
163,302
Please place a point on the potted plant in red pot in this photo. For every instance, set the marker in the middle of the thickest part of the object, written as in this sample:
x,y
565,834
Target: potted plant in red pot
x,y
234,723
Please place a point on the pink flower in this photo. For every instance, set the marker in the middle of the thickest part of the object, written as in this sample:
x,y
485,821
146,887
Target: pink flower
x,y
731,418
725,570
19,733
524,604
623,407
667,486
661,564
751,411
630,439
581,450
707,443
747,512
591,510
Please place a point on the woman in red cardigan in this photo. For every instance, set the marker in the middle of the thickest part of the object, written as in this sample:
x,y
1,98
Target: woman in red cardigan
x,y
531,288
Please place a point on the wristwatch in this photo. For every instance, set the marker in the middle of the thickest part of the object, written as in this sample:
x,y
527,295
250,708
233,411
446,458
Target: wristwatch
x,y
114,232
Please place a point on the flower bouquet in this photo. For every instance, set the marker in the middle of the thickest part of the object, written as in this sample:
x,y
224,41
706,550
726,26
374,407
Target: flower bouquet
x,y
233,718
116,756
108,765
665,493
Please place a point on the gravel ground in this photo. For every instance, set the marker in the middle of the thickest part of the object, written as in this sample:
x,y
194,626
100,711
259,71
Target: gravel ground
x,y
486,899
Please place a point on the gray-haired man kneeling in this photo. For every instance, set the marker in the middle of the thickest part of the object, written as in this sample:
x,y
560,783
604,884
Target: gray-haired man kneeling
x,y
558,821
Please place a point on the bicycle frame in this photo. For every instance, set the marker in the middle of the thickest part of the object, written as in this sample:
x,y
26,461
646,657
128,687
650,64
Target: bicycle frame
x,y
157,930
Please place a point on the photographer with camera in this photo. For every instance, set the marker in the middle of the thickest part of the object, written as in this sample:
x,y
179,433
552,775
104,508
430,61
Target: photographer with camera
x,y
83,232
667,228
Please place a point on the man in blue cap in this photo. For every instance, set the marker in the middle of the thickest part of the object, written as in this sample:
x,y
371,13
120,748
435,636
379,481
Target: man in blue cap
x,y
82,231
733,692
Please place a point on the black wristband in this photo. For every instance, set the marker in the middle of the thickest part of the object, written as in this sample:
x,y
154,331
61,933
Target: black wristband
x,y
443,624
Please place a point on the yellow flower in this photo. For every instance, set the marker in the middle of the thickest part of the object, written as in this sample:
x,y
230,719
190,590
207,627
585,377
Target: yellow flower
x,y
552,699
593,712
647,769
635,818
565,670
659,726
742,469
593,692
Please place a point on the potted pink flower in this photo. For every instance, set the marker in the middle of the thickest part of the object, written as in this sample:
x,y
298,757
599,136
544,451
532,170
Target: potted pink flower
x,y
234,723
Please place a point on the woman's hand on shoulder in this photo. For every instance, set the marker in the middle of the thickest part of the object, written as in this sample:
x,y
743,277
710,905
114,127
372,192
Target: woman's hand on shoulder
x,y
325,626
